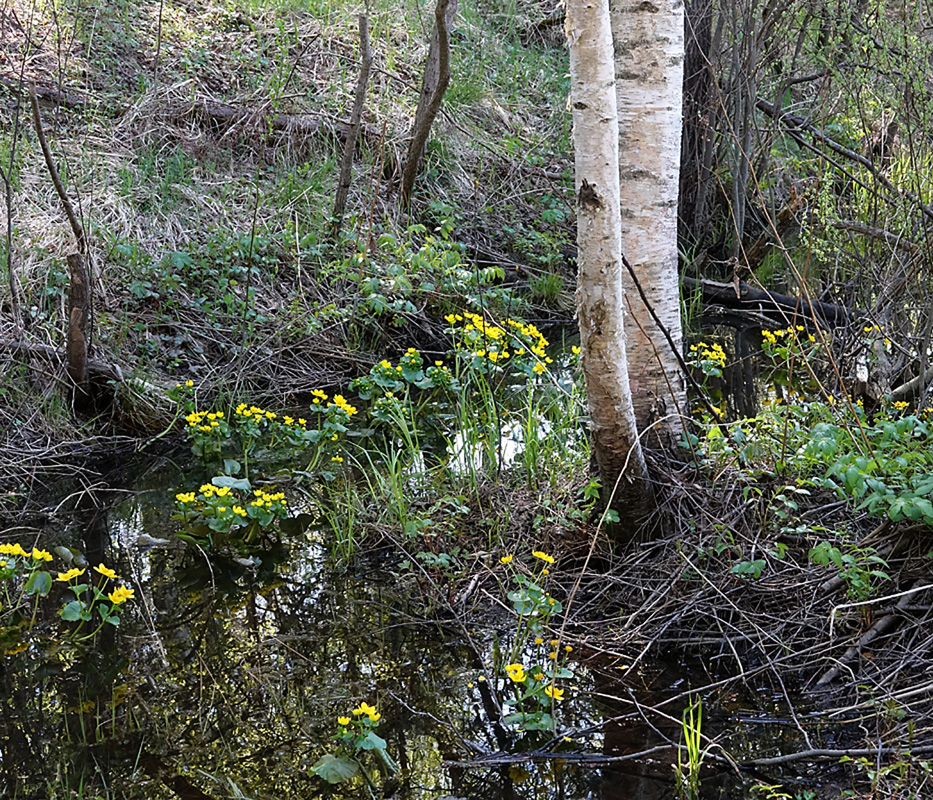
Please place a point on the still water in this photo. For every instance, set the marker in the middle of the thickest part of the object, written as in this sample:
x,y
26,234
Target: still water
x,y
228,673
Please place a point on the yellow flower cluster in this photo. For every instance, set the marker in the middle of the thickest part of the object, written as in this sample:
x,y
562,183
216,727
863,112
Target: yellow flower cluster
x,y
901,405
267,499
185,497
208,490
318,397
204,420
543,556
772,336
64,577
17,550
516,672
368,710
255,412
498,336
713,352
291,421
539,343
343,405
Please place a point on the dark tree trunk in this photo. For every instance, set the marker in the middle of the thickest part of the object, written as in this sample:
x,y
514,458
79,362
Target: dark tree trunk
x,y
433,87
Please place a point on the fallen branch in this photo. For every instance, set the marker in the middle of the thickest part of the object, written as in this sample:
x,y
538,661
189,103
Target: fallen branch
x,y
97,370
307,124
880,627
784,308
48,95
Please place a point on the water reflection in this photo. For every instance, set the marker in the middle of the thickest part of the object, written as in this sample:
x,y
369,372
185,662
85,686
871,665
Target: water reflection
x,y
227,676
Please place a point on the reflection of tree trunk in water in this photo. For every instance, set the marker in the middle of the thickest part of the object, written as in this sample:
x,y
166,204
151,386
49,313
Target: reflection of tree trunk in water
x,y
649,778
92,514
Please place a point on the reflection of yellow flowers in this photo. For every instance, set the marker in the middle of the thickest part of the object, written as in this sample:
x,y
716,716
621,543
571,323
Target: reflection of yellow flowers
x,y
343,720
554,693
64,577
516,672
543,556
105,571
506,559
121,594
368,710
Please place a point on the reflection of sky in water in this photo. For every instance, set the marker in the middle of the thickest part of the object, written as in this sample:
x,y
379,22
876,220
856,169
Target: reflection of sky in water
x,y
240,664
324,637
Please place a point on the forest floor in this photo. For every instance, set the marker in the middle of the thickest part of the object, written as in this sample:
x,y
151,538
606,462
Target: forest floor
x,y
200,143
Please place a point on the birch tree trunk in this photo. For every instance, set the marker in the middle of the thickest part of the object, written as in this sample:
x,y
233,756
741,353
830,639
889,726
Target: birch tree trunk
x,y
648,36
600,306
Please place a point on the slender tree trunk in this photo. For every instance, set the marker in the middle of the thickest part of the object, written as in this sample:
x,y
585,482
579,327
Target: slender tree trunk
x,y
434,84
346,164
649,50
79,291
600,306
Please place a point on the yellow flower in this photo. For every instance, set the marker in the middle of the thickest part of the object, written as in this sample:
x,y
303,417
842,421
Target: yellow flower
x,y
539,369
554,693
568,648
239,511
539,640
368,710
41,555
121,594
543,556
516,672
105,571
64,577
189,384
538,676
343,720
552,656
506,559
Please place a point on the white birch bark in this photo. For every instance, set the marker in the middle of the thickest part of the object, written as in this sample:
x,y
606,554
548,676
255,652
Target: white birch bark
x,y
648,36
599,278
